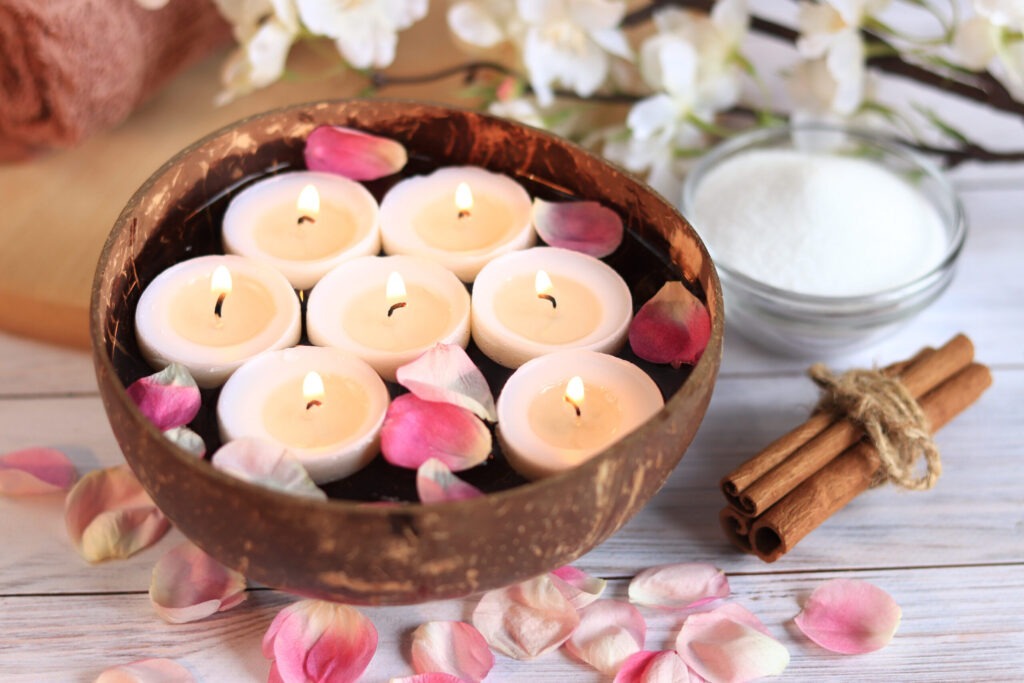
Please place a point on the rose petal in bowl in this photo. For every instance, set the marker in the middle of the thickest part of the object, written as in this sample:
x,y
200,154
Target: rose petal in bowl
x,y
679,586
187,440
415,430
730,645
266,464
435,483
609,633
169,398
446,374
451,647
189,585
432,677
527,619
33,471
849,616
313,640
577,586
154,670
583,226
672,327
353,153
654,667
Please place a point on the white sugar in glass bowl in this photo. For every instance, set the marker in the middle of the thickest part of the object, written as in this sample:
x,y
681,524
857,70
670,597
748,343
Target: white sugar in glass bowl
x,y
826,239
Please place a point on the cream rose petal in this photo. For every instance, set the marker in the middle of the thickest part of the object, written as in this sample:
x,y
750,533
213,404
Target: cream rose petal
x,y
451,647
154,670
730,645
312,640
654,667
435,483
433,677
187,440
189,585
849,616
33,471
609,633
446,374
169,398
266,464
577,586
679,586
525,620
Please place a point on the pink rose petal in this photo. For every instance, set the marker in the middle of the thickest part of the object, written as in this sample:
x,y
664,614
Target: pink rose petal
x,y
187,440
33,471
189,585
654,667
416,430
266,464
169,398
451,647
109,515
353,153
849,616
587,227
147,671
435,483
312,640
446,374
433,677
672,327
730,645
609,633
525,620
679,586
577,586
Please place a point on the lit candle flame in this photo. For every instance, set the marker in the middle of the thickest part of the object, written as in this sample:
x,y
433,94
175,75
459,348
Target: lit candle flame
x,y
574,393
220,285
395,292
308,204
463,199
312,389
545,289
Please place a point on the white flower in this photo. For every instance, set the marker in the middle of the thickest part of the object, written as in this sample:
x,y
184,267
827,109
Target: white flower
x,y
485,23
992,40
822,23
265,31
364,31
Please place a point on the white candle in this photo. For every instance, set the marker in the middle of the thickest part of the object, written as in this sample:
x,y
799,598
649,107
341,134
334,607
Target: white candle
x,y
212,325
545,299
561,409
460,216
303,223
354,308
324,405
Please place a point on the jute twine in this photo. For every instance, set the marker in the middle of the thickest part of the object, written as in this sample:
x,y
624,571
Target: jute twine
x,y
892,419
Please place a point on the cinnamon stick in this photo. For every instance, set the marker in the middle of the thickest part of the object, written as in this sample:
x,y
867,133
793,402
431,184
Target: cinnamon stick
x,y
919,378
736,526
837,483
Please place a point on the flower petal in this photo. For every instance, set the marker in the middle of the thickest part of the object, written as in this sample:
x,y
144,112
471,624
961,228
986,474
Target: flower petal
x,y
446,374
415,430
32,471
577,586
147,671
730,645
169,398
109,515
189,585
451,647
266,464
672,327
679,586
588,227
312,640
432,677
353,153
849,616
187,440
435,483
525,620
609,633
653,667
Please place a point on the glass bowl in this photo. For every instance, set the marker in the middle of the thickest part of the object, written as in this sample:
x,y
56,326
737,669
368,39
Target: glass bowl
x,y
800,324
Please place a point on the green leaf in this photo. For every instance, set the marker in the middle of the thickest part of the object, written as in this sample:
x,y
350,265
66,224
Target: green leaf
x,y
943,126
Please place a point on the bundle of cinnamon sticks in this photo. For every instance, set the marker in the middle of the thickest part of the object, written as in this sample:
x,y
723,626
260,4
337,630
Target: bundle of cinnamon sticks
x,y
797,482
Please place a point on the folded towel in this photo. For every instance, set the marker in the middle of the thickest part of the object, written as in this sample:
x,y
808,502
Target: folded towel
x,y
70,68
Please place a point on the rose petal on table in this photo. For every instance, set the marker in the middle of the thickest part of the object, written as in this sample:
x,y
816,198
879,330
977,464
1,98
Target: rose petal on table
x,y
446,374
672,327
577,586
169,398
665,666
267,464
435,483
353,153
187,440
433,677
587,227
189,585
679,586
34,471
415,431
609,632
849,616
313,640
155,670
109,515
451,647
730,645
527,619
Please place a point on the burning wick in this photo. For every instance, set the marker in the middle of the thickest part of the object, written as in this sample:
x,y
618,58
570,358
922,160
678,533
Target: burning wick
x,y
542,283
308,205
395,292
463,199
574,393
220,284
312,389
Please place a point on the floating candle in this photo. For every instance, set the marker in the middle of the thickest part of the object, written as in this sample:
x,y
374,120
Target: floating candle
x,y
544,299
388,310
324,405
460,216
212,313
559,410
303,223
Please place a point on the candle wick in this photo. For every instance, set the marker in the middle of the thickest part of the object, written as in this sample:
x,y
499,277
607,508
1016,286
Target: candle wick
x,y
395,307
463,213
306,219
220,304
312,403
549,297
575,407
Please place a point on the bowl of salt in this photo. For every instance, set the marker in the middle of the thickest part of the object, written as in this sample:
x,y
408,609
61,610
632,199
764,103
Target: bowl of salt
x,y
826,239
